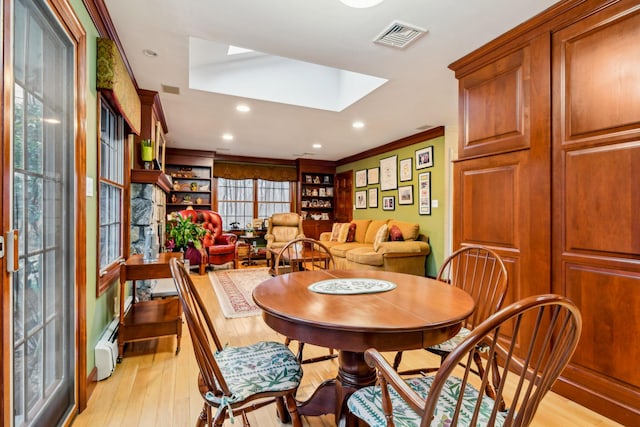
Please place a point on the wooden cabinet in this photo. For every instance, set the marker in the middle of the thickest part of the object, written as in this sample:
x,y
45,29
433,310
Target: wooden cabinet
x,y
192,180
545,175
316,196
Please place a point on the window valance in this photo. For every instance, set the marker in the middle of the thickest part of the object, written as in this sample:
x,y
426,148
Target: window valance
x,y
112,77
230,170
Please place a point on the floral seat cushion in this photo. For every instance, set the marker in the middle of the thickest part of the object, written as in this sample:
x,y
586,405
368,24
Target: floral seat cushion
x,y
452,342
256,368
366,404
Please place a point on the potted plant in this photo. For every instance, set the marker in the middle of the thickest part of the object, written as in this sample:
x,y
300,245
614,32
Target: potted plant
x,y
182,233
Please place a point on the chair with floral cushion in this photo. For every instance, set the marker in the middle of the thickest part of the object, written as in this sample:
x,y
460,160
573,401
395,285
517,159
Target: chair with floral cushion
x,y
480,272
533,339
236,380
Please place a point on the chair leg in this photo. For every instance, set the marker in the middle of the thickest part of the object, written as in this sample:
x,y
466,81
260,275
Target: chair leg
x,y
292,407
490,391
397,360
300,348
203,418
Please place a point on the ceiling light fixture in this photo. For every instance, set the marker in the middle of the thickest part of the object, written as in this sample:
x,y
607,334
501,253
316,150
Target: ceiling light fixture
x,y
361,4
243,108
150,53
358,125
227,137
317,145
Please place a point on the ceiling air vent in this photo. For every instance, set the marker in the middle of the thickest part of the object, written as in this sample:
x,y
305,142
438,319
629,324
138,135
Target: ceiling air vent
x,y
171,89
399,35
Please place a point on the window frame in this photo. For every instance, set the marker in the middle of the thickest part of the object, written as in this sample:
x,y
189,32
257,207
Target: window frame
x,y
107,276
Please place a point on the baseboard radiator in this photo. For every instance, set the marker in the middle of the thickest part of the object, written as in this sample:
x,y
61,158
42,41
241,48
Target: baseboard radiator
x,y
106,350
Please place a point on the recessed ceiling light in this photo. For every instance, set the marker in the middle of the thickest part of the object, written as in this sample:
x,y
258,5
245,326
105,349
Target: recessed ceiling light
x,y
317,145
150,53
243,108
227,137
361,4
358,124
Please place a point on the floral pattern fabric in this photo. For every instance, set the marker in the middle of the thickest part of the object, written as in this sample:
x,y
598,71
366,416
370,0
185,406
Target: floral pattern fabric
x,y
366,404
453,342
261,367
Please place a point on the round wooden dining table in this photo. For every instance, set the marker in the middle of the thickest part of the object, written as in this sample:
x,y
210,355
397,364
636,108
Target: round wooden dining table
x,y
417,313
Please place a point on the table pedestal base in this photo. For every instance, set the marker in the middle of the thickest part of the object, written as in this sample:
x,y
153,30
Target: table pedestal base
x,y
332,395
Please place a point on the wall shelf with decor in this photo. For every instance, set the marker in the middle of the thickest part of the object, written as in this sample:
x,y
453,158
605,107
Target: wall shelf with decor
x,y
191,176
316,200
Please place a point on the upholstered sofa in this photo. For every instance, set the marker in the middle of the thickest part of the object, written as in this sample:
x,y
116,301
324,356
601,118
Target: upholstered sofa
x,y
219,248
365,244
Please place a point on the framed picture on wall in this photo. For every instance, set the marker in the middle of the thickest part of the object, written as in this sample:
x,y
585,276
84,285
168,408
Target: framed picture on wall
x,y
361,178
424,158
406,170
373,176
373,197
424,193
405,195
361,199
388,203
389,173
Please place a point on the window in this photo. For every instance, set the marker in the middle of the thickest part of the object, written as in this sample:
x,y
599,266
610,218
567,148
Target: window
x,y
235,201
241,200
111,172
273,197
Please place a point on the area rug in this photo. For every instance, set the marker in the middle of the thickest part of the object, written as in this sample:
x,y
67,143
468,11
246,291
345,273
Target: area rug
x,y
233,289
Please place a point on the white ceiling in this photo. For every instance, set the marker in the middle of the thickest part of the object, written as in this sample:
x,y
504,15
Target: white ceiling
x,y
421,90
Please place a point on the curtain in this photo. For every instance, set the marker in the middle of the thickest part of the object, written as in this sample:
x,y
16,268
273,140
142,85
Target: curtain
x,y
254,171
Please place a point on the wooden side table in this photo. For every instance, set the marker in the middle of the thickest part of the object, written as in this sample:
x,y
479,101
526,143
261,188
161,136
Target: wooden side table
x,y
148,319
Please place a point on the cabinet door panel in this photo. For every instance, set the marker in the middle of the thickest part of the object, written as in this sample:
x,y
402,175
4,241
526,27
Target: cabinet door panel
x,y
500,102
596,200
495,205
600,71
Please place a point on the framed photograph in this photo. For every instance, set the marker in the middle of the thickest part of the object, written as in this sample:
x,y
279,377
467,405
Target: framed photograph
x,y
373,176
388,203
373,197
405,195
389,173
405,170
361,178
361,199
424,158
424,193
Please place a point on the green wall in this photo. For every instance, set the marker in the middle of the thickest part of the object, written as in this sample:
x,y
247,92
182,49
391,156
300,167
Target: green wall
x,y
432,225
99,310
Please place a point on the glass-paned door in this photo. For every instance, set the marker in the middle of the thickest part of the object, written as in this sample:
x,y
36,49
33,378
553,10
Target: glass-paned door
x,y
42,158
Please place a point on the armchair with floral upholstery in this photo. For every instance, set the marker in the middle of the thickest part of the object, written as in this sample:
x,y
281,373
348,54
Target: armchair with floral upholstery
x,y
283,227
218,248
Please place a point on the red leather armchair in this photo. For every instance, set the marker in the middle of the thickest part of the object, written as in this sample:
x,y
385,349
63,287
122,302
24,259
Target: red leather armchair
x,y
218,247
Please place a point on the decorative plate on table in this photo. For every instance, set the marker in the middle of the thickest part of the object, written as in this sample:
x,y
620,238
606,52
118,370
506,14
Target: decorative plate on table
x,y
351,286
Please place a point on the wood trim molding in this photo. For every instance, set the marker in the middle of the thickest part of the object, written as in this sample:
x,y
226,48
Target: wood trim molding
x,y
395,145
558,15
257,160
68,18
156,177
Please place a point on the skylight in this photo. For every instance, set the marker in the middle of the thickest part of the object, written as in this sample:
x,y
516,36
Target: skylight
x,y
256,75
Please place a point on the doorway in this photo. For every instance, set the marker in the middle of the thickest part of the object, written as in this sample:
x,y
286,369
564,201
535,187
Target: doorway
x,y
40,209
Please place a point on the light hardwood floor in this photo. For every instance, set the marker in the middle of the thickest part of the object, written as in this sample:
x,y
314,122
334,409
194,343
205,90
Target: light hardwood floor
x,y
154,387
